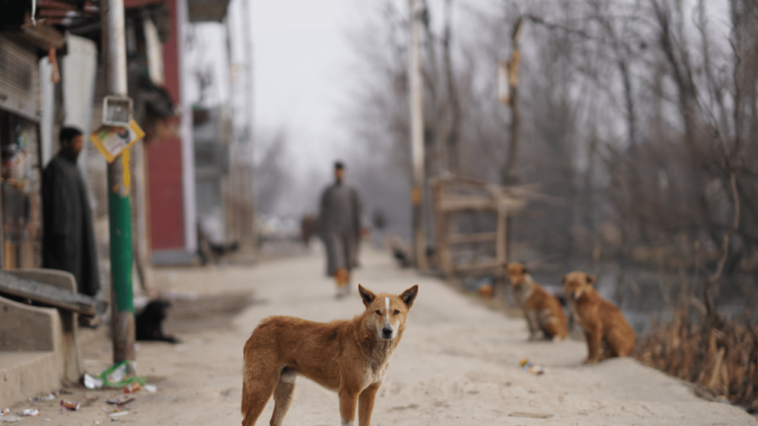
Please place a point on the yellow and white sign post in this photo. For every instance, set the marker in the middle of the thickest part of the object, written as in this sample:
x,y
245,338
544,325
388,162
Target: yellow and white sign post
x,y
112,141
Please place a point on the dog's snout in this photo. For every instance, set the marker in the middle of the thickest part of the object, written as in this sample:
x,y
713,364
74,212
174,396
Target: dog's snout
x,y
386,332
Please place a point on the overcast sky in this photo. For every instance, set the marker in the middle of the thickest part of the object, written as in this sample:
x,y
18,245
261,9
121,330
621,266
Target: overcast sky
x,y
302,74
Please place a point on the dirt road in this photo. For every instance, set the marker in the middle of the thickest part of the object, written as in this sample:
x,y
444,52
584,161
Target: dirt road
x,y
457,363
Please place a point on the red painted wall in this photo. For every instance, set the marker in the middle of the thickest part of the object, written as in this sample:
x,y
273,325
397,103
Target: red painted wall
x,y
164,161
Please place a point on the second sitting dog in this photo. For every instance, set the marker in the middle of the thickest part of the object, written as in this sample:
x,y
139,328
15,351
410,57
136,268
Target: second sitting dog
x,y
605,329
542,310
349,357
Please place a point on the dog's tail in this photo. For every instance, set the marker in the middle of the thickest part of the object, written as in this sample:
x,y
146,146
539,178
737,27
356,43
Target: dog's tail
x,y
246,379
246,383
245,407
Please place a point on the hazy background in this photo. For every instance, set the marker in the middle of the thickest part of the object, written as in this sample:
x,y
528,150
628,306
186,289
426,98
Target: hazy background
x,y
635,118
308,74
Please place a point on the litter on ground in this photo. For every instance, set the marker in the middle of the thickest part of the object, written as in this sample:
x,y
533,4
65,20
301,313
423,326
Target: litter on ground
x,y
121,400
532,368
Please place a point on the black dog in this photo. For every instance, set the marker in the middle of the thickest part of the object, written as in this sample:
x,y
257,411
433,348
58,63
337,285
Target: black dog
x,y
149,322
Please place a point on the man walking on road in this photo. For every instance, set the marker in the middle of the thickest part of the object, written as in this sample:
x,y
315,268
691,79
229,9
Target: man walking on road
x,y
339,225
69,239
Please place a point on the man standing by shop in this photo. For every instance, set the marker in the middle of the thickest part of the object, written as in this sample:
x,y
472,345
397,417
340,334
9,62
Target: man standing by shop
x,y
339,225
69,238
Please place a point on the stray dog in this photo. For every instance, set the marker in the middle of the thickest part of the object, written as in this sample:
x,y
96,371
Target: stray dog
x,y
349,357
602,322
542,310
149,322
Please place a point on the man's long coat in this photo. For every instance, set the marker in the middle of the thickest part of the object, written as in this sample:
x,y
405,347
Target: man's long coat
x,y
68,243
339,226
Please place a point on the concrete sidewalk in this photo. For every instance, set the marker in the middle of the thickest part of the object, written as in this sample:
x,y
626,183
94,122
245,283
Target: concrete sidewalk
x,y
457,363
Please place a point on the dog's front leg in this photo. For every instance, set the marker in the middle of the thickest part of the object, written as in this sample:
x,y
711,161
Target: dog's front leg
x,y
348,402
594,338
366,404
533,321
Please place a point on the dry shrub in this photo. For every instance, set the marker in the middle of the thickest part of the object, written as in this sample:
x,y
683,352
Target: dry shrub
x,y
716,353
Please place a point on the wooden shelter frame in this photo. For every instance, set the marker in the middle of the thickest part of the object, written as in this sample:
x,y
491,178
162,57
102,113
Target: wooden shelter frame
x,y
453,195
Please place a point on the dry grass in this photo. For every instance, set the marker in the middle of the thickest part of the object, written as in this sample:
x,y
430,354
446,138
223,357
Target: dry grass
x,y
712,352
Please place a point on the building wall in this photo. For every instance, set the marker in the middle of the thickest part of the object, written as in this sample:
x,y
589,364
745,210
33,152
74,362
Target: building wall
x,y
164,160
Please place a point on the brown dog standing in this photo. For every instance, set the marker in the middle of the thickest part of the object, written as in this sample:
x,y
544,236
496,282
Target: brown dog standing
x,y
602,322
542,310
348,357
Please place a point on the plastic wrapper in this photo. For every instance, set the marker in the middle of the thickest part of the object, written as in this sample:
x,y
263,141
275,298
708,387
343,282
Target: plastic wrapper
x,y
30,412
115,376
92,382
49,397
532,368
70,406
132,388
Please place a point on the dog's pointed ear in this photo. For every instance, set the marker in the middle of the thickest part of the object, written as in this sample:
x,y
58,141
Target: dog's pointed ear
x,y
563,280
409,296
366,295
524,270
590,279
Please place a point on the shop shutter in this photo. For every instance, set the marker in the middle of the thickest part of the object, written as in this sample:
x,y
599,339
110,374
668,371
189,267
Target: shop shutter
x,y
19,80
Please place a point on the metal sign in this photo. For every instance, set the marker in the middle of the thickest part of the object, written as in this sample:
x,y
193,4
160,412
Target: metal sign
x,y
117,111
112,141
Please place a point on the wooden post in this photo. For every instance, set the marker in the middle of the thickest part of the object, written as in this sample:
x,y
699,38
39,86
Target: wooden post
x,y
501,249
443,231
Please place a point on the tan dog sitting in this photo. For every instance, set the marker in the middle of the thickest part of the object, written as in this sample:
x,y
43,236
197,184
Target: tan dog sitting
x,y
542,310
348,357
602,322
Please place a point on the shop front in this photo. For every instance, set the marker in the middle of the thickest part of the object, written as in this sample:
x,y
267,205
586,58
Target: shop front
x,y
20,115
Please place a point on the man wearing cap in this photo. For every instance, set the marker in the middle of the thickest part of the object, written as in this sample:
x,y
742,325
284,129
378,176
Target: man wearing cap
x,y
69,238
339,225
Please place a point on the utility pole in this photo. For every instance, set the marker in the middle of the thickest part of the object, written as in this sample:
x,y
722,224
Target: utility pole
x,y
417,137
119,211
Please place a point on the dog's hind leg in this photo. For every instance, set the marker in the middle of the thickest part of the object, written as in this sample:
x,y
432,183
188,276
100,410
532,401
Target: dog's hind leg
x,y
285,388
256,391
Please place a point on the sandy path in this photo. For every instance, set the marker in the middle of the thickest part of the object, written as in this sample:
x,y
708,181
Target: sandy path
x,y
457,363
